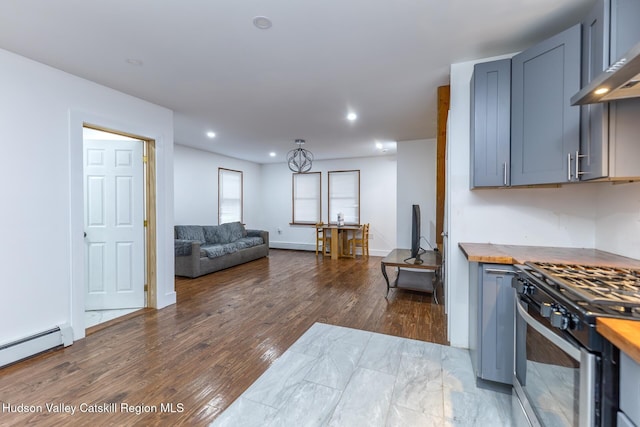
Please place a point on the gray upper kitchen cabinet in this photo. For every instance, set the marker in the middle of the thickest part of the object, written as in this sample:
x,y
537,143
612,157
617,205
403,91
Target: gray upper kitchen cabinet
x,y
625,28
490,123
609,131
491,321
594,118
624,125
545,128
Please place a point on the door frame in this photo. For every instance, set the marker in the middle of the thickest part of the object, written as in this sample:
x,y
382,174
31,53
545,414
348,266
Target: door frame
x,y
78,121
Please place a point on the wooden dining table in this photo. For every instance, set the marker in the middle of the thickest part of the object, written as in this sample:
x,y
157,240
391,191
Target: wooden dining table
x,y
340,239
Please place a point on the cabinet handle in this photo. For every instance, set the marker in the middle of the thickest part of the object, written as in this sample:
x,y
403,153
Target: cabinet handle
x,y
499,271
505,178
568,166
579,156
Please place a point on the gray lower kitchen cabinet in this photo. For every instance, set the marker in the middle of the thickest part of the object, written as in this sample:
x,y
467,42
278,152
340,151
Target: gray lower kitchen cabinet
x,y
609,131
629,389
491,321
490,123
545,128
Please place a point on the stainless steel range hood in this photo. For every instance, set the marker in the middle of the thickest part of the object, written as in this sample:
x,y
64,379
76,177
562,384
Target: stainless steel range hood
x,y
621,80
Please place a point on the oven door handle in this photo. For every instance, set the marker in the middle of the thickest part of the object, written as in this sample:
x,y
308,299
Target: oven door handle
x,y
565,346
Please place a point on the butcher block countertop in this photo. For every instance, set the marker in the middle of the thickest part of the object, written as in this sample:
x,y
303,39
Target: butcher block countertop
x,y
624,334
515,254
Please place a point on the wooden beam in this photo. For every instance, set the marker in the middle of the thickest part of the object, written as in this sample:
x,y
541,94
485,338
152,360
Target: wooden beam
x,y
441,139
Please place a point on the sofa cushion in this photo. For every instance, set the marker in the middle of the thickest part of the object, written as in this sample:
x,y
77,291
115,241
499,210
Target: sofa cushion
x,y
237,230
190,232
213,251
230,232
249,242
212,234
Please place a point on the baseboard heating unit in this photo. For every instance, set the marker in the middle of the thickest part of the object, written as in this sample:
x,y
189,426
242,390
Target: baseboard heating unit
x,y
29,346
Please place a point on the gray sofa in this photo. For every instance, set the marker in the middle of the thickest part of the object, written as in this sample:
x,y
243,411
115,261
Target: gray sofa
x,y
204,249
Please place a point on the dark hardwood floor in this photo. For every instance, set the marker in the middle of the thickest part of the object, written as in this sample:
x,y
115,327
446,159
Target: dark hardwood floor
x,y
200,354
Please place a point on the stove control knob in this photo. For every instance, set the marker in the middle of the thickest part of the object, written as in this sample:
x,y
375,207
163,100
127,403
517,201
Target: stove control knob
x,y
559,319
528,289
546,309
522,286
574,322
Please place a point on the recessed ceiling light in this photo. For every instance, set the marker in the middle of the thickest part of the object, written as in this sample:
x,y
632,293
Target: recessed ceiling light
x,y
262,22
272,154
379,145
352,116
211,134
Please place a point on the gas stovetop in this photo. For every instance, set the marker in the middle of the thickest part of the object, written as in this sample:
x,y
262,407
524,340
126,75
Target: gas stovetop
x,y
609,290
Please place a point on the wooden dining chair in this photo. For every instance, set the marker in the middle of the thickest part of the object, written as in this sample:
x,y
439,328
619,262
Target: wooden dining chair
x,y
323,239
361,241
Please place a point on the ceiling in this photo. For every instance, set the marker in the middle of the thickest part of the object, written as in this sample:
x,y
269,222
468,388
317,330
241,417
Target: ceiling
x,y
259,90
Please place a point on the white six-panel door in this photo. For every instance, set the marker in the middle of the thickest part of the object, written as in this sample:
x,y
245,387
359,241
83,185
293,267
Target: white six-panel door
x,y
113,217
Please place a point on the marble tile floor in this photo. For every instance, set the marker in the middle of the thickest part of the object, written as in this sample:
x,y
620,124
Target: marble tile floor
x,y
336,376
95,317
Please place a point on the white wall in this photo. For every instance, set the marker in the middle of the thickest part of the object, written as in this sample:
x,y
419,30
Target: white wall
x,y
41,111
618,219
377,199
416,185
196,187
564,217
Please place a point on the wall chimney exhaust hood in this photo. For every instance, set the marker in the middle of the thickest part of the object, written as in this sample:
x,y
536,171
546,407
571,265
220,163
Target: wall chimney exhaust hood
x,y
621,80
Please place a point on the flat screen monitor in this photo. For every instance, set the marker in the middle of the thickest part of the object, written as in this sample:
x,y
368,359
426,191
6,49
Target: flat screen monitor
x,y
415,232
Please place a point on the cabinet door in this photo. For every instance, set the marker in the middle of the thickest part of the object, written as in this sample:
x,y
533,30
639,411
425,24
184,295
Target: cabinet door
x,y
594,125
624,149
630,388
625,27
624,126
498,318
490,123
545,128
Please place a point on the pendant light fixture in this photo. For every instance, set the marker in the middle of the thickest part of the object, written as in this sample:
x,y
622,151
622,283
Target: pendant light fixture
x,y
300,159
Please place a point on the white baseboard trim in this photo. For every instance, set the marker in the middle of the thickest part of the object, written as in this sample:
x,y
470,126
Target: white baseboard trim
x,y
292,246
312,247
29,346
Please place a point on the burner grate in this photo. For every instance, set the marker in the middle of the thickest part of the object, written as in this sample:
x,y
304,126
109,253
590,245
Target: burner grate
x,y
595,284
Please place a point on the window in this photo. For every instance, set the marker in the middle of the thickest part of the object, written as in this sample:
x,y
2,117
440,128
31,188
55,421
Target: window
x,y
306,198
344,196
229,195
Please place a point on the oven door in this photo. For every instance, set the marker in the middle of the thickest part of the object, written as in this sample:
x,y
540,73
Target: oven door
x,y
554,379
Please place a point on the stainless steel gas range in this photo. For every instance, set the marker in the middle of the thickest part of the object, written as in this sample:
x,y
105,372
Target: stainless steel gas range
x,y
566,374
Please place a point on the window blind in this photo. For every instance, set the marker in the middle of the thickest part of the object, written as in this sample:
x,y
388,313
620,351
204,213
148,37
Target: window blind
x,y
306,198
229,195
